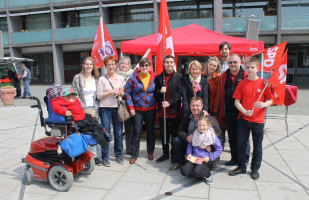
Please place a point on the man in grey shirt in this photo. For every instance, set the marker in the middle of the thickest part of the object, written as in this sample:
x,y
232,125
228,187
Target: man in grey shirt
x,y
26,76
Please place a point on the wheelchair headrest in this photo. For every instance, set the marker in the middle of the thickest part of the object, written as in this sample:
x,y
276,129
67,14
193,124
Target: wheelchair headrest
x,y
54,92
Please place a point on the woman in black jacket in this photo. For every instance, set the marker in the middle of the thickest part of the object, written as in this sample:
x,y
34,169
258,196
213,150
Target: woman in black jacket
x,y
194,84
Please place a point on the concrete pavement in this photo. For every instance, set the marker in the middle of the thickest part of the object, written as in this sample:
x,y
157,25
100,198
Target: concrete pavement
x,y
284,172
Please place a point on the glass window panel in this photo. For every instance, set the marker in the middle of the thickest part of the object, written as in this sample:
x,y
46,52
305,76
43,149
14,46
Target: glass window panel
x,y
89,17
233,8
295,8
140,13
190,10
37,22
3,25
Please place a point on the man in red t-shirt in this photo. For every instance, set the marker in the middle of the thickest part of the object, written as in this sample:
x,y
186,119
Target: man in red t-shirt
x,y
251,97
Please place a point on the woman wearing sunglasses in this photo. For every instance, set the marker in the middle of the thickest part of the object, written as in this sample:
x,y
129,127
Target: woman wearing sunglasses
x,y
139,93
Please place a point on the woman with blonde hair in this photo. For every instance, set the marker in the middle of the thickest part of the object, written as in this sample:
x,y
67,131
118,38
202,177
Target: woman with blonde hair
x,y
194,84
85,86
213,73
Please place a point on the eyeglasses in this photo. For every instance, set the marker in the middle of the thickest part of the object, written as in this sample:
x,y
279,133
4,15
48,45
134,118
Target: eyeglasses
x,y
233,62
145,65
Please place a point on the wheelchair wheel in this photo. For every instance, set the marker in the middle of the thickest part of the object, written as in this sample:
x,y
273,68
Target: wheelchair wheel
x,y
28,174
60,178
89,167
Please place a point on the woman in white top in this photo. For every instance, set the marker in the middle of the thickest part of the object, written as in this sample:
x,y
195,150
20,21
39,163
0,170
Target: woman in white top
x,y
85,85
125,70
110,86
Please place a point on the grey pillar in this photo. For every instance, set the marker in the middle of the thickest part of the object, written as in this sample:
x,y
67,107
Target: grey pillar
x,y
56,48
218,25
279,19
1,46
155,16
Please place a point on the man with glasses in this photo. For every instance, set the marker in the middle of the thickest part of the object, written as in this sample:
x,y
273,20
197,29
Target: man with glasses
x,y
230,79
173,90
225,49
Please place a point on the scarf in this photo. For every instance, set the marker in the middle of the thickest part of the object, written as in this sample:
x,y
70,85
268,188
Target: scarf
x,y
125,75
195,83
202,140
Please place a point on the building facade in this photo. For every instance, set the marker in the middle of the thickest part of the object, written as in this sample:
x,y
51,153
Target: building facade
x,y
58,34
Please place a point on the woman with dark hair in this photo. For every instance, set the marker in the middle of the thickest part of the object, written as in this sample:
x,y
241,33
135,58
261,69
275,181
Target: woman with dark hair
x,y
85,86
194,84
110,87
139,93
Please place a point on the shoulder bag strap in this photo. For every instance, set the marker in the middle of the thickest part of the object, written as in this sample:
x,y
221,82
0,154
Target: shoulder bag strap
x,y
109,82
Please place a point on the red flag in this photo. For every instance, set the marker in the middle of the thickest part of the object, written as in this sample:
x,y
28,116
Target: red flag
x,y
164,37
102,46
272,56
278,79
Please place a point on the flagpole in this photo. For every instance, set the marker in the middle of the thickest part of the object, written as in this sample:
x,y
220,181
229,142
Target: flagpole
x,y
260,95
102,34
164,109
262,66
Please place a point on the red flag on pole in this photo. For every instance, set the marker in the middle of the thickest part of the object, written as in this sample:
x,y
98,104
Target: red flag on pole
x,y
278,79
102,46
164,37
272,56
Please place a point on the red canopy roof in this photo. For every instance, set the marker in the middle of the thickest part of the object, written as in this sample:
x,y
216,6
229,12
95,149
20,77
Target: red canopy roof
x,y
193,40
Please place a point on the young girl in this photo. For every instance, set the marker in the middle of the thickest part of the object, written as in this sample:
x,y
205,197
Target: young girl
x,y
205,147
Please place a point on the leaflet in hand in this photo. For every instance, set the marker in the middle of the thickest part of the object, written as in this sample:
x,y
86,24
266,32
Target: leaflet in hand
x,y
196,160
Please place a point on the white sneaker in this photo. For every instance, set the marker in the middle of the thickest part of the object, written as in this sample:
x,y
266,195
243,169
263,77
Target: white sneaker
x,y
209,180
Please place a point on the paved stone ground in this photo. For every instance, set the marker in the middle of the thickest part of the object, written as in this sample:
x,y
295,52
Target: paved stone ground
x,y
284,172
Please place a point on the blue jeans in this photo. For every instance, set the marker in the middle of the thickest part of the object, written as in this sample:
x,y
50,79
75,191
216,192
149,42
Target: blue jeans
x,y
107,115
257,129
179,150
149,118
26,88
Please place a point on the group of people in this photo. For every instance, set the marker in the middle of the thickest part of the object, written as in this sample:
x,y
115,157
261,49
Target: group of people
x,y
15,78
198,108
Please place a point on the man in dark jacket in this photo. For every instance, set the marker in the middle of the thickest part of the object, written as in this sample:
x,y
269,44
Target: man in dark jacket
x,y
186,129
172,89
13,76
230,80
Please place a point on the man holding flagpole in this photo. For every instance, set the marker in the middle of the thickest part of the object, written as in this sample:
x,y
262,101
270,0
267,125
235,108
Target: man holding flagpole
x,y
173,90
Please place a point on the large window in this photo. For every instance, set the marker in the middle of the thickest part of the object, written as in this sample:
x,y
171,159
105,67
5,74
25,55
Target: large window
x,y
295,15
80,18
190,9
35,22
127,14
295,7
245,8
3,25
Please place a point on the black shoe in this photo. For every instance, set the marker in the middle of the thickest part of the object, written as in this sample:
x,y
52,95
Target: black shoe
x,y
175,166
255,174
231,163
163,158
17,96
99,138
237,171
97,161
213,167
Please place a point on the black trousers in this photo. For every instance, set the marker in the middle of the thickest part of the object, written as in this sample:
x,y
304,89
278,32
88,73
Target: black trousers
x,y
199,171
171,128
